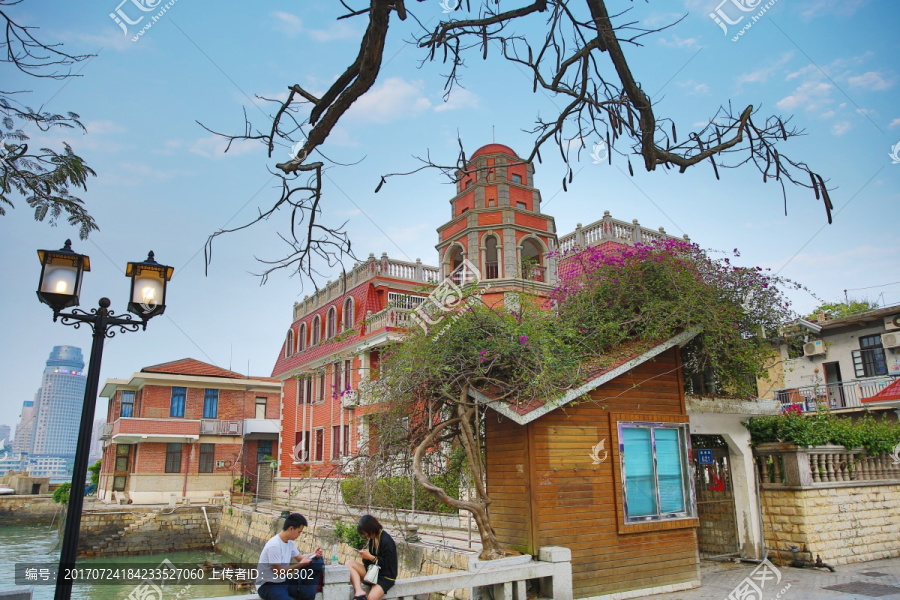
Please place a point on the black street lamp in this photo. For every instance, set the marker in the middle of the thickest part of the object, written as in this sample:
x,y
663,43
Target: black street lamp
x,y
59,287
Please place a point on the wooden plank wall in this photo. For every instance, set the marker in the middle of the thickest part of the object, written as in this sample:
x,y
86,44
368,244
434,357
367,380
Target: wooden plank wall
x,y
574,503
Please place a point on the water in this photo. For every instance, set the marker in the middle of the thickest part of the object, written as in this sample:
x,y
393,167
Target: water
x,y
37,544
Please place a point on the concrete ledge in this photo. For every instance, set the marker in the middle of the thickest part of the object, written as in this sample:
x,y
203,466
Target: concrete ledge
x,y
17,593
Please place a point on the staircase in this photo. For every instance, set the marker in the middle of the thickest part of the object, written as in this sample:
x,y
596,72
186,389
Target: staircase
x,y
117,541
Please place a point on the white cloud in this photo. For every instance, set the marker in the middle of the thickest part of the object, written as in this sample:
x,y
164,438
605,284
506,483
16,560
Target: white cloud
x,y
287,23
810,95
459,98
763,74
394,99
214,147
340,30
822,8
841,128
101,127
894,123
871,81
678,42
660,19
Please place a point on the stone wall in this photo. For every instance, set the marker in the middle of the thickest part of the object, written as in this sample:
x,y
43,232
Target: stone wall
x,y
115,532
28,510
243,533
842,524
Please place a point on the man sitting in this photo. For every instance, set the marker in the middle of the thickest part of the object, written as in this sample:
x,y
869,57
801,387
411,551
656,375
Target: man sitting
x,y
276,577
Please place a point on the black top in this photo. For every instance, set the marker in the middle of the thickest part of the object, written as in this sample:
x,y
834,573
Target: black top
x,y
386,556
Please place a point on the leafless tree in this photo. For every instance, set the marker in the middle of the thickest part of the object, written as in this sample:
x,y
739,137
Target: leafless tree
x,y
43,177
577,56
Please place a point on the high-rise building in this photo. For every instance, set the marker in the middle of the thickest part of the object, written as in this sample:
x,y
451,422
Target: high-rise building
x,y
24,440
5,436
58,409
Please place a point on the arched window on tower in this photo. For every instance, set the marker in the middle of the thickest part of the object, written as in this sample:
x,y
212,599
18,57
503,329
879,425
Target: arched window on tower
x,y
348,314
491,258
331,323
301,341
456,260
532,261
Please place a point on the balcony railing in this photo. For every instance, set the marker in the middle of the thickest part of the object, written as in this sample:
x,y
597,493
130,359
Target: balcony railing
x,y
787,466
491,269
373,267
390,317
534,272
609,229
349,399
217,427
843,394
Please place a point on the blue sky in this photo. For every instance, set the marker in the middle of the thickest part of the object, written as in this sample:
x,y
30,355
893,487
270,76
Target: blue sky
x,y
164,184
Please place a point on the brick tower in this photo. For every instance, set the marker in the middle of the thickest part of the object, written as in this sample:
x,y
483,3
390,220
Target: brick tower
x,y
496,223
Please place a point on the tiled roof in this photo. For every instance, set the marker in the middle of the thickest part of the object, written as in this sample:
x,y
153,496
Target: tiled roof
x,y
191,366
891,392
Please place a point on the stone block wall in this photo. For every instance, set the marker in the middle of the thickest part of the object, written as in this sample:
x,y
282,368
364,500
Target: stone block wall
x,y
147,531
28,510
842,524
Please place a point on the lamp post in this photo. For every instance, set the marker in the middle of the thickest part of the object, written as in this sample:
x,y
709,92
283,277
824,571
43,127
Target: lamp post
x,y
59,288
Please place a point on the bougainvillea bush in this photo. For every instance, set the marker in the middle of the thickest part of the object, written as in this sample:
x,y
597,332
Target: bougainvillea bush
x,y
654,291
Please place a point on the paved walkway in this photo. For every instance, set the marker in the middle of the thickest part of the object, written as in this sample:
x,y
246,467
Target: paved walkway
x,y
862,581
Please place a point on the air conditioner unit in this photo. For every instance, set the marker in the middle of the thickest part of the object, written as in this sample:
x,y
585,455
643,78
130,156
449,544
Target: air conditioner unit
x,y
892,323
890,340
815,348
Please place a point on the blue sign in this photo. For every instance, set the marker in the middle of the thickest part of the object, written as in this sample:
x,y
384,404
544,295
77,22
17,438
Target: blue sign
x,y
705,456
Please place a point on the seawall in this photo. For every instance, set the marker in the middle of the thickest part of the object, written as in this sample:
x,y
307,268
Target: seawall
x,y
28,510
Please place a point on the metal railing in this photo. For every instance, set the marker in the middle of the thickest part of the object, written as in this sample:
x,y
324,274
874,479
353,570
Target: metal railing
x,y
491,269
843,394
217,427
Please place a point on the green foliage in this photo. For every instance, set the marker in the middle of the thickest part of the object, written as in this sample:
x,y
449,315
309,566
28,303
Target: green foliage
x,y
61,494
349,535
94,470
396,493
241,483
821,428
652,292
842,309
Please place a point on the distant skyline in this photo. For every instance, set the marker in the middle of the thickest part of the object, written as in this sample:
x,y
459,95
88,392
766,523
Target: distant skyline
x,y
164,184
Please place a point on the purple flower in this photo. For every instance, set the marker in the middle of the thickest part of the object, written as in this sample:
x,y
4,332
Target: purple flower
x,y
523,339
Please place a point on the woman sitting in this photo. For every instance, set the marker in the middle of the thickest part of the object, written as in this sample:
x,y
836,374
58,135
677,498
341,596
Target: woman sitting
x,y
381,550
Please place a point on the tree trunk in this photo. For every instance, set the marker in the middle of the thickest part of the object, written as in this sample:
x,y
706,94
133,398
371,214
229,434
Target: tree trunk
x,y
478,506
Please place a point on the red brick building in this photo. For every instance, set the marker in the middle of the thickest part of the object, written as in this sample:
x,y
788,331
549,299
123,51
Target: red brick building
x,y
185,429
332,348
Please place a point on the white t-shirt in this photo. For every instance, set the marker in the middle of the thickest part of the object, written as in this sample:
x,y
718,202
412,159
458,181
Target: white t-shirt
x,y
275,552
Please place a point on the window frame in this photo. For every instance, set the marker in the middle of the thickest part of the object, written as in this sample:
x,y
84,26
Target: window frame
x,y
259,452
260,401
210,399
347,318
331,323
322,383
207,462
301,338
171,463
318,448
125,403
689,515
515,178
119,483
289,343
316,332
182,394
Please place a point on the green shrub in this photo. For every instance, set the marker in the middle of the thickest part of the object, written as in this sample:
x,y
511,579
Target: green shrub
x,y
396,493
94,470
821,428
349,535
61,494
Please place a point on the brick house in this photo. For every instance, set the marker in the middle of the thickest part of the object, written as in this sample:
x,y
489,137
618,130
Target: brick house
x,y
185,429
